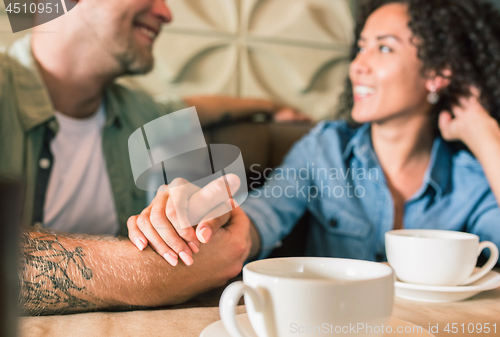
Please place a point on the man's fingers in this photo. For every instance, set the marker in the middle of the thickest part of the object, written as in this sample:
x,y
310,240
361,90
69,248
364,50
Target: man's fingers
x,y
177,205
211,196
207,228
135,235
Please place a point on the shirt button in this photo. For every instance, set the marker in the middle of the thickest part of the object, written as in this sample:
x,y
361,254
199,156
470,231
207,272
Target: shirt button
x,y
44,163
379,257
334,223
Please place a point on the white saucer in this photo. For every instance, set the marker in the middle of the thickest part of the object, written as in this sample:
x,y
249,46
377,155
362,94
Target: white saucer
x,y
425,293
217,329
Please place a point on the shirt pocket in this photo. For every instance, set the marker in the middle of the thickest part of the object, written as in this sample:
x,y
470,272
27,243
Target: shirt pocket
x,y
343,223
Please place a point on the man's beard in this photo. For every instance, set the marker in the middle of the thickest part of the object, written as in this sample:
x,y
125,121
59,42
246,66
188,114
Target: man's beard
x,y
133,60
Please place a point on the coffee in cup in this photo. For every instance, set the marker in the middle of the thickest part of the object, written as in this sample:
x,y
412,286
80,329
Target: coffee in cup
x,y
311,296
437,257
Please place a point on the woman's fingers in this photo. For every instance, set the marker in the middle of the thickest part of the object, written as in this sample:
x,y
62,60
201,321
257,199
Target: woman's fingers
x,y
155,240
446,125
182,241
135,235
163,214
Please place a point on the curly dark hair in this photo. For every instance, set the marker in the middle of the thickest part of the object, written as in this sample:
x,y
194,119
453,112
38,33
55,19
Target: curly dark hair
x,y
460,35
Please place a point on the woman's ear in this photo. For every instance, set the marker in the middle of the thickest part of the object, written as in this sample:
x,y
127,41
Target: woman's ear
x,y
438,82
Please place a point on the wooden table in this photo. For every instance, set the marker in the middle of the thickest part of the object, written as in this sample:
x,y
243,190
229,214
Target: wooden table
x,y
189,319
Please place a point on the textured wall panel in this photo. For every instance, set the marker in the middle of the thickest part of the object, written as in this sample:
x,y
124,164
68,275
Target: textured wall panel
x,y
291,51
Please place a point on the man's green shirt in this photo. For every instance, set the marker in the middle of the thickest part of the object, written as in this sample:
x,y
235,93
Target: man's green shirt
x,y
26,112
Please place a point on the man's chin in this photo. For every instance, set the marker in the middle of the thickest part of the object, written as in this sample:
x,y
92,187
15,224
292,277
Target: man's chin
x,y
140,67
139,71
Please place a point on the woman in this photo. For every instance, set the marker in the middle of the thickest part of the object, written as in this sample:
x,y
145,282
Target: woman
x,y
426,92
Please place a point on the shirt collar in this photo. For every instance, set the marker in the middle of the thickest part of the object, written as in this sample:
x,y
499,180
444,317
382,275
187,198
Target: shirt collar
x,y
112,106
33,100
437,175
361,147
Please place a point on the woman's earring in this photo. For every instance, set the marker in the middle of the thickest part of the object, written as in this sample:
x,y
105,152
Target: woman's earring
x,y
433,96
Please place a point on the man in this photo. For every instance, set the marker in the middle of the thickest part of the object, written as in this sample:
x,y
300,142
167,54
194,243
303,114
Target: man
x,y
63,131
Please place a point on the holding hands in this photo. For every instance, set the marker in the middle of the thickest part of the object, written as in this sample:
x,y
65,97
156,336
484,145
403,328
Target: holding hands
x,y
166,224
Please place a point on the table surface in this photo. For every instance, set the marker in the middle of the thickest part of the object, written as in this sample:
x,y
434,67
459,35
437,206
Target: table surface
x,y
192,317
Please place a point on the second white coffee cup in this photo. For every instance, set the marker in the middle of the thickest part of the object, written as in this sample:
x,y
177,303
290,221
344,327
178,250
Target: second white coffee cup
x,y
310,295
437,257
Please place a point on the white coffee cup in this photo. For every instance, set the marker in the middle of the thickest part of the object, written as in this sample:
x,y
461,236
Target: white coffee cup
x,y
437,257
285,296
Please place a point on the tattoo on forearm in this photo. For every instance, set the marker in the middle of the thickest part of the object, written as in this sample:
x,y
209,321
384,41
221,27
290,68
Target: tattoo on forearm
x,y
53,278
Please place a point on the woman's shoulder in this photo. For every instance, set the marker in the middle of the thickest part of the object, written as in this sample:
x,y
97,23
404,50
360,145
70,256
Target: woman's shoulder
x,y
465,165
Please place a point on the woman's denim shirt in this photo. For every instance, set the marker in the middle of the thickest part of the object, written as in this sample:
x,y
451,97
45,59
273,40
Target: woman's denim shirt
x,y
334,174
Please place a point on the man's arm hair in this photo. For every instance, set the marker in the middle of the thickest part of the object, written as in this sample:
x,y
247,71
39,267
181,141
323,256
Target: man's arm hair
x,y
66,274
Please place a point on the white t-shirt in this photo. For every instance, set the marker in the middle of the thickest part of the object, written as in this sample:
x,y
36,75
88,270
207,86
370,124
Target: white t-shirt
x,y
79,197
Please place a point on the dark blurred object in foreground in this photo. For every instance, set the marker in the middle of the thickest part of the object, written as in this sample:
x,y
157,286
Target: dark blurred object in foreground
x,y
10,219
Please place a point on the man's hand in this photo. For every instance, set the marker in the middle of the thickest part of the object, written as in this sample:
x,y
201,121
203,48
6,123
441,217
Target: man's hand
x,y
166,224
288,114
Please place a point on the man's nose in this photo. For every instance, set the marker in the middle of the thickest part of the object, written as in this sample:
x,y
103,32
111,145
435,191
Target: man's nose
x,y
162,11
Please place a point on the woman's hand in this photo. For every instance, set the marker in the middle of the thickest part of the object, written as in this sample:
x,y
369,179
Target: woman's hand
x,y
472,124
167,223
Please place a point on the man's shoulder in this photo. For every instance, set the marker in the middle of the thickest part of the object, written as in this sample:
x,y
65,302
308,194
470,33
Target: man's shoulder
x,y
130,97
138,106
5,63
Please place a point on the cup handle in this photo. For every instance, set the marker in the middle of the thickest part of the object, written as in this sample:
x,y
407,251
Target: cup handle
x,y
228,302
492,261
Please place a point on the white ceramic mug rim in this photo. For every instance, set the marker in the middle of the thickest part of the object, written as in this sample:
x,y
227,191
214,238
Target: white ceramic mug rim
x,y
386,271
410,234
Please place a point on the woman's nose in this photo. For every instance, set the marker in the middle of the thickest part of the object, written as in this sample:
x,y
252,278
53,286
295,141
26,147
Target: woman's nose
x,y
361,64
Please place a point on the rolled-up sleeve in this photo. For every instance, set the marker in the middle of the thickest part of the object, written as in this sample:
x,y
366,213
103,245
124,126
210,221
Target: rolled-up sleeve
x,y
282,200
485,221
170,103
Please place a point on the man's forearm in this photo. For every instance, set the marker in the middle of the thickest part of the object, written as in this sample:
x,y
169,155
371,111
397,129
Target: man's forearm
x,y
213,108
61,274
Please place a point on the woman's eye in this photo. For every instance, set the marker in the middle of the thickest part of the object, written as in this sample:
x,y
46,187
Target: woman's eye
x,y
361,50
385,49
